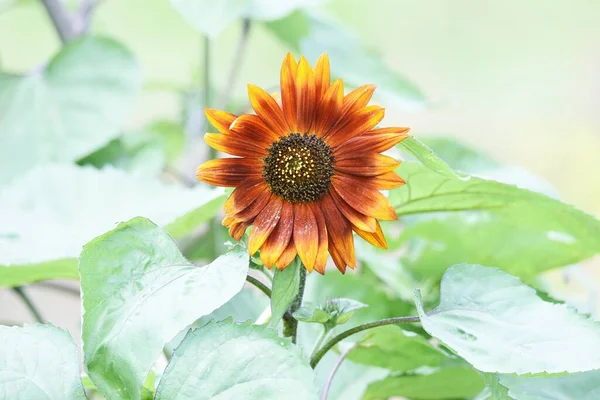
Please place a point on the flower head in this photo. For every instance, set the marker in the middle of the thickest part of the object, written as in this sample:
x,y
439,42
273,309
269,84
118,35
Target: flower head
x,y
307,170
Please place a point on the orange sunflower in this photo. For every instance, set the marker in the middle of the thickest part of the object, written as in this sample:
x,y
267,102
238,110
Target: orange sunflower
x,y
307,170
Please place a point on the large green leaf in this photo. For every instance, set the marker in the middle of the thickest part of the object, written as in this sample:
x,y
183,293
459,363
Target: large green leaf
x,y
498,324
311,34
75,105
51,212
138,293
436,384
580,386
392,348
286,284
38,362
225,360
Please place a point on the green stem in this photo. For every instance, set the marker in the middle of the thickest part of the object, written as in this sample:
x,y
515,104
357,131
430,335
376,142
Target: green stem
x,y
320,340
290,324
32,308
261,286
336,339
334,370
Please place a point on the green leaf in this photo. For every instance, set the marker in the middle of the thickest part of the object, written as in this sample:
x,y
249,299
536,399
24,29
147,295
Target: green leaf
x,y
38,362
138,293
459,156
541,233
580,386
444,383
311,34
286,284
310,313
397,350
234,361
77,104
51,212
498,324
427,157
334,312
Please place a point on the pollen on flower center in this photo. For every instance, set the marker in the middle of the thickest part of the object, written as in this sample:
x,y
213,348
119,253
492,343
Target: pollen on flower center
x,y
299,168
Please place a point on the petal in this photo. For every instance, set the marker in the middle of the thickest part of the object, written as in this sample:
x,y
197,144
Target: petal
x,y
235,145
229,171
279,239
288,91
337,258
329,108
358,98
363,197
389,180
322,252
365,223
250,212
267,109
307,95
264,223
370,164
287,256
338,229
306,234
355,124
253,128
221,120
244,195
370,142
237,229
375,238
322,75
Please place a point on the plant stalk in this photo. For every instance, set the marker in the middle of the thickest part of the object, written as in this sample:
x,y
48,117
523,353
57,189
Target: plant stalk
x,y
290,324
259,285
19,291
235,65
60,19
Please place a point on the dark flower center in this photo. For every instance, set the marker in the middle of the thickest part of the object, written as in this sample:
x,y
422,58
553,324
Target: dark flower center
x,y
299,168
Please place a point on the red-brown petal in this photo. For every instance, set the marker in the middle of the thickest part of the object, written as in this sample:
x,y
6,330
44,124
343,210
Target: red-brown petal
x,y
358,98
354,124
306,234
307,95
355,217
369,164
329,108
237,229
287,256
250,212
267,109
375,238
279,239
322,75
244,195
221,120
321,260
235,145
288,91
364,198
264,224
338,229
229,171
251,127
389,180
369,143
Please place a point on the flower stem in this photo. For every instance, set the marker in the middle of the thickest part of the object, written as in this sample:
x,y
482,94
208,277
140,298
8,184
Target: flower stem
x,y
60,19
259,285
336,339
32,308
235,65
290,324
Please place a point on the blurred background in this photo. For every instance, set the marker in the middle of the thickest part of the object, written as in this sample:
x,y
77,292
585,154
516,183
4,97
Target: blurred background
x,y
516,80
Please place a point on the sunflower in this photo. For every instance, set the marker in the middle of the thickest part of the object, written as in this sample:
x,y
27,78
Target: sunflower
x,y
307,169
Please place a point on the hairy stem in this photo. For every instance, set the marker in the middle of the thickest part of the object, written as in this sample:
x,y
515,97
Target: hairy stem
x,y
235,65
336,339
290,324
19,291
259,285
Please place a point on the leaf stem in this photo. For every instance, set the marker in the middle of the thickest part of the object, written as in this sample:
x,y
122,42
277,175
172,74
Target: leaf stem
x,y
19,291
336,339
259,285
335,368
60,19
320,340
236,64
290,324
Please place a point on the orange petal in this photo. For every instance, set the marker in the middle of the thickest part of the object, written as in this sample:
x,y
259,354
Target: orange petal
x,y
267,109
321,260
356,218
221,120
329,108
375,238
354,124
229,171
306,234
237,229
338,229
337,258
244,195
307,95
363,197
251,127
279,239
322,75
287,256
288,91
358,98
250,212
369,164
389,180
235,145
370,142
264,224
